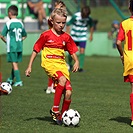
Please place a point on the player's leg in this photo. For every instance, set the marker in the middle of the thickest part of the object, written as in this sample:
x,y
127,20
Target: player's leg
x,y
82,46
50,88
10,60
10,79
67,97
131,103
17,75
66,101
58,94
17,57
70,60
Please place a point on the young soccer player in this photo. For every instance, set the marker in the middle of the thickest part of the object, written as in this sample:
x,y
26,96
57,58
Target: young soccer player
x,y
126,53
15,34
50,88
53,43
80,22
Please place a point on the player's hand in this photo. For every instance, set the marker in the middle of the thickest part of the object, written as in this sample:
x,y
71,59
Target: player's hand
x,y
90,38
27,72
122,59
75,66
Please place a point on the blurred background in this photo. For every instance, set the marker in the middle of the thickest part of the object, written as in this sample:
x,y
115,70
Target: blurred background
x,y
103,12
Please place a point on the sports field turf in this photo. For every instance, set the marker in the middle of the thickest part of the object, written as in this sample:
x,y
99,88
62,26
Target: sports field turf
x,y
99,94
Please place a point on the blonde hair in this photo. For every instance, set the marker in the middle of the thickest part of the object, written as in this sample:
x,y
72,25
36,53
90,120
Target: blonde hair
x,y
58,11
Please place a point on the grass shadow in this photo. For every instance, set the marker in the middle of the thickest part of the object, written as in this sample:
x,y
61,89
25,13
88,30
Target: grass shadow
x,y
46,118
120,119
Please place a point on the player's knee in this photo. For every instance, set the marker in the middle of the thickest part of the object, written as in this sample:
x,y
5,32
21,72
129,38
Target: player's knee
x,y
62,80
68,94
82,50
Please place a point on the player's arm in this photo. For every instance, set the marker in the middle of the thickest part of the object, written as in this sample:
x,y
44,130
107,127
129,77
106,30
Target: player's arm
x,y
91,33
23,38
91,25
120,49
120,38
29,68
24,34
3,38
72,49
4,33
76,62
36,49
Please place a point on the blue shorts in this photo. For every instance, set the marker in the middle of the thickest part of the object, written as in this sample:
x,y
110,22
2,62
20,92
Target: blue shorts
x,y
14,57
81,44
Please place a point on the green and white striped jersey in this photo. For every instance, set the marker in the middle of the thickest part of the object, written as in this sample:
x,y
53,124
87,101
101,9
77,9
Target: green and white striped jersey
x,y
14,31
80,26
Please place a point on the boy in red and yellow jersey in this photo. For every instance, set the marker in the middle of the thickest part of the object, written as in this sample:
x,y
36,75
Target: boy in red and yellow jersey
x,y
53,43
126,53
51,86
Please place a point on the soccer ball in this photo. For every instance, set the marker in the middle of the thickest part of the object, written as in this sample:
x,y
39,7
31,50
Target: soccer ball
x,y
71,117
5,88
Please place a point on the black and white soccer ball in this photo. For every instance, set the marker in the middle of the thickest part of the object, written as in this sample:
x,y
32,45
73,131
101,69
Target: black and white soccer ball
x,y
6,88
71,117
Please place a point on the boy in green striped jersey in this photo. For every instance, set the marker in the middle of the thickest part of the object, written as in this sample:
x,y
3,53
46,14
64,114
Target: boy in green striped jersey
x,y
80,22
13,34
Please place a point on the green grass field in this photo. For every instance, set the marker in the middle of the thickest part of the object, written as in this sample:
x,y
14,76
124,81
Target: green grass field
x,y
99,94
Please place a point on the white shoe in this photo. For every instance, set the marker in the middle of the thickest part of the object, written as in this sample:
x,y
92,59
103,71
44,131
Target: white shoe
x,y
52,90
18,83
48,90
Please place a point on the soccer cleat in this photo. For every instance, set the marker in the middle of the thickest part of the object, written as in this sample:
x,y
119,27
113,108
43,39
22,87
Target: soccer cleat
x,y
54,115
59,122
10,81
18,83
131,123
50,90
